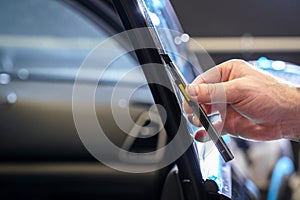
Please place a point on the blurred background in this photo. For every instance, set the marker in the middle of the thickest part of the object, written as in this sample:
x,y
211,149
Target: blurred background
x,y
42,46
258,31
243,29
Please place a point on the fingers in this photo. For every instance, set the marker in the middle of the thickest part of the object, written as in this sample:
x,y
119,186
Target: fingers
x,y
230,85
194,120
239,125
202,136
234,124
247,130
232,69
223,72
206,93
208,108
217,85
226,92
220,85
212,75
217,74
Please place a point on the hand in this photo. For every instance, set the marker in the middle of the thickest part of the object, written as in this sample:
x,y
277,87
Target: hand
x,y
258,106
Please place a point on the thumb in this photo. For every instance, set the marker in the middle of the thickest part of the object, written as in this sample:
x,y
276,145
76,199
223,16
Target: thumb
x,y
213,93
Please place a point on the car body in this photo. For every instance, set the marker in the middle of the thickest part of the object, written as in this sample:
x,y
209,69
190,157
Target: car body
x,y
44,46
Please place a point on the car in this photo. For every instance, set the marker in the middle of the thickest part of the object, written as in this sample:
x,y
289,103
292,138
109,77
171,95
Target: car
x,y
80,107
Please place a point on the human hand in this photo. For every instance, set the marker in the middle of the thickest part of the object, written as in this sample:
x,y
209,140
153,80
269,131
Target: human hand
x,y
258,106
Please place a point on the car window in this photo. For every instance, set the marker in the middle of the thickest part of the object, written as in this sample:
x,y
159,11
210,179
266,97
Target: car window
x,y
49,40
44,18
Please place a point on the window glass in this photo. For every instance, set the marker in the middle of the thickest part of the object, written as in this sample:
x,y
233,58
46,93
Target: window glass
x,y
50,40
163,17
44,18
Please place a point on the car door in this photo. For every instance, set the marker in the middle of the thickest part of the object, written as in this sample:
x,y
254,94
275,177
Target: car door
x,y
43,44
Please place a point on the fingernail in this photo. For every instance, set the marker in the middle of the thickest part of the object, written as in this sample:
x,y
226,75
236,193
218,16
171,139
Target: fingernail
x,y
201,136
192,90
196,121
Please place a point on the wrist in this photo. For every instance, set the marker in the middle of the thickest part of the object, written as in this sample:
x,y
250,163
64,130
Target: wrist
x,y
291,120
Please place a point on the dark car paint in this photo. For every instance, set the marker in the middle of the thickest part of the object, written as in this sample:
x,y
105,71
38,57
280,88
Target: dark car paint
x,y
41,155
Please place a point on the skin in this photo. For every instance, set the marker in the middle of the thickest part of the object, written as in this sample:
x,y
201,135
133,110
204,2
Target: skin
x,y
258,106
